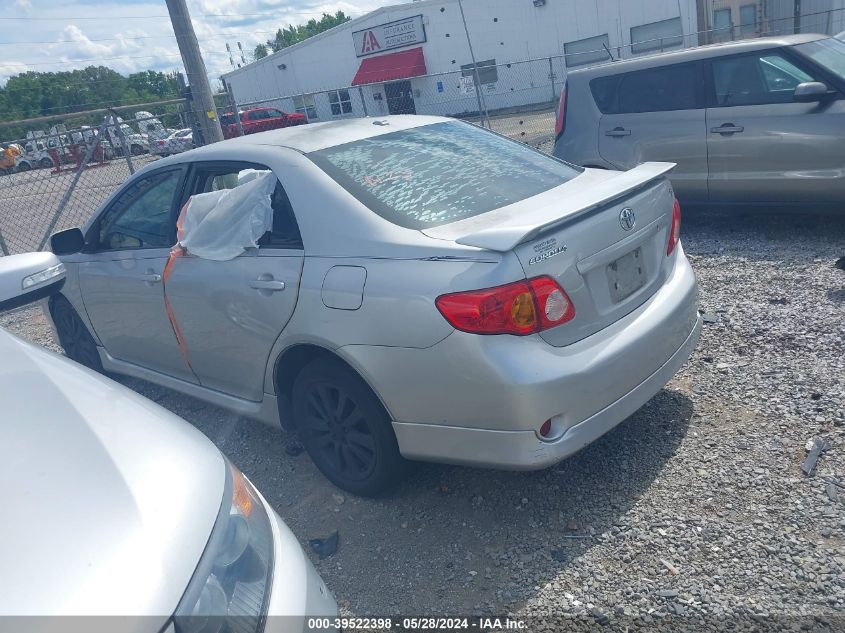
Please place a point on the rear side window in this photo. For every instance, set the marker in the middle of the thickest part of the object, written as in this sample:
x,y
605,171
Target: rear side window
x,y
440,173
606,93
659,89
214,177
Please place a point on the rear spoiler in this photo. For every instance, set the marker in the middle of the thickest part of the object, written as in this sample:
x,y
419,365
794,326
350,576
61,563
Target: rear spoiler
x,y
516,230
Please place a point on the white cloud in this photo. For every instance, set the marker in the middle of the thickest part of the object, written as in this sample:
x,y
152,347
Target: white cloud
x,y
10,69
100,40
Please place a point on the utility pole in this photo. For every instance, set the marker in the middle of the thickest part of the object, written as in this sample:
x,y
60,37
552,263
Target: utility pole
x,y
482,107
189,48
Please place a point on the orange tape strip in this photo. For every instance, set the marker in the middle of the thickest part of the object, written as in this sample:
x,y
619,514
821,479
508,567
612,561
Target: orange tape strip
x,y
180,339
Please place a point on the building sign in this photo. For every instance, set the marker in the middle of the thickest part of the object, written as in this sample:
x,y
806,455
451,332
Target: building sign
x,y
385,37
467,85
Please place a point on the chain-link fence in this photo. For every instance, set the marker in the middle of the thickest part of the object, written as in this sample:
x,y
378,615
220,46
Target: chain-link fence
x,y
55,179
517,99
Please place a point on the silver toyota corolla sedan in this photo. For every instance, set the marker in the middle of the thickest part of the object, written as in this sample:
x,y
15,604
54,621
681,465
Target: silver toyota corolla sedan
x,y
419,288
114,506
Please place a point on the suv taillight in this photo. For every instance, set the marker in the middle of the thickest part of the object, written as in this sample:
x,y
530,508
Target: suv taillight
x,y
560,121
675,228
521,308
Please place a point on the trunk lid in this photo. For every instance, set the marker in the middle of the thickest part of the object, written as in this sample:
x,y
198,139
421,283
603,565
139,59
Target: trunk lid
x,y
575,235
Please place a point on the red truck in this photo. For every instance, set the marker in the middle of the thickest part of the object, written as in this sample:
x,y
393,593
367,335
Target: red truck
x,y
259,120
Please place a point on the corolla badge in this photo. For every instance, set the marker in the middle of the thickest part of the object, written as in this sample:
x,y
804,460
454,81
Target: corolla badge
x,y
627,219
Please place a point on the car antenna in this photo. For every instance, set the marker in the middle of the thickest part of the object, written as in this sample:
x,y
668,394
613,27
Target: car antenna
x,y
608,52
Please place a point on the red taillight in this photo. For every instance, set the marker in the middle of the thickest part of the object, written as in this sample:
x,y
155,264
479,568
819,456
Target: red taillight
x,y
546,428
560,121
521,308
675,228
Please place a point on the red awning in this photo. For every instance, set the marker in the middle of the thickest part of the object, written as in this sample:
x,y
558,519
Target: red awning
x,y
401,65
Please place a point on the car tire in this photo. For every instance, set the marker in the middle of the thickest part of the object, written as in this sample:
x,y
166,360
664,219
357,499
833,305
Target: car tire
x,y
44,163
24,167
136,150
345,429
74,336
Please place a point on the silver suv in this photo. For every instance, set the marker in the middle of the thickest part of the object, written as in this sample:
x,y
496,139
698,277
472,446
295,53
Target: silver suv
x,y
751,122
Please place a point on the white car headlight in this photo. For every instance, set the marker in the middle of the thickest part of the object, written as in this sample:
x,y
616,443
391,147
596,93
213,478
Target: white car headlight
x,y
229,589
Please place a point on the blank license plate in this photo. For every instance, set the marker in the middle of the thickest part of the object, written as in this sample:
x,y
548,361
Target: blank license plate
x,y
626,275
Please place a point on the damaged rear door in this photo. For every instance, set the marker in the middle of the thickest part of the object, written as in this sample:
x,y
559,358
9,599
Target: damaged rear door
x,y
231,312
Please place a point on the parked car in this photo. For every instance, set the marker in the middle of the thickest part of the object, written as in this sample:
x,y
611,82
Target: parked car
x,y
749,122
121,508
178,141
427,290
259,120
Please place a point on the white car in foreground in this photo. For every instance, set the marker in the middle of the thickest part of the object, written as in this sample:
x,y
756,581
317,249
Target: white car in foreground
x,y
115,506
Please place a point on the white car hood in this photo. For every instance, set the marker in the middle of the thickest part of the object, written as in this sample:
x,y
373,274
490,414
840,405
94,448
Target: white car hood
x,y
108,499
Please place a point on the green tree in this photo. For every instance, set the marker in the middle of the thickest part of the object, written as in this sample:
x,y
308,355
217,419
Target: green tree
x,y
33,94
152,85
291,35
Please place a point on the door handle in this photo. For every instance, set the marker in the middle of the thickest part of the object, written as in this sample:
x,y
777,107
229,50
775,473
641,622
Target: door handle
x,y
727,128
618,131
151,277
267,284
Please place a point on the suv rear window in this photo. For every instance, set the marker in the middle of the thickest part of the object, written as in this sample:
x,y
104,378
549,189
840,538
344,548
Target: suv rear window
x,y
660,89
440,173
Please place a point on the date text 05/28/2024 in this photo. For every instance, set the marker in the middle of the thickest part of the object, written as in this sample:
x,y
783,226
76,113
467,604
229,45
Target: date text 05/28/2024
x,y
433,623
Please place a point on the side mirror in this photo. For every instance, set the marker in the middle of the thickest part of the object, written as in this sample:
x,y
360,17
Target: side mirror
x,y
67,242
809,92
29,277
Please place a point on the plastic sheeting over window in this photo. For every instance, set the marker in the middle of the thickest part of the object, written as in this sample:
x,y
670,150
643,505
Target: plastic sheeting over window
x,y
220,225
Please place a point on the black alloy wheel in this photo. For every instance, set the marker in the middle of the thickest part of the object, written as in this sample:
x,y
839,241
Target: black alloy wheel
x,y
345,428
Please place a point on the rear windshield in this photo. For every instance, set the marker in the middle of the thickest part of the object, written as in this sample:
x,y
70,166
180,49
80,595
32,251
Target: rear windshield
x,y
440,173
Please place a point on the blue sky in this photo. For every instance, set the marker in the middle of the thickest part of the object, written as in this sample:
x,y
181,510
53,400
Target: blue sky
x,y
132,35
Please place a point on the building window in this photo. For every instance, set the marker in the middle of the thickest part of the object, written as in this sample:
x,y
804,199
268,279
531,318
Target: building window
x,y
587,51
304,104
487,72
722,24
657,36
748,19
341,102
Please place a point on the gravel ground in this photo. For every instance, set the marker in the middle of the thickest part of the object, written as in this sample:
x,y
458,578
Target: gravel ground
x,y
693,514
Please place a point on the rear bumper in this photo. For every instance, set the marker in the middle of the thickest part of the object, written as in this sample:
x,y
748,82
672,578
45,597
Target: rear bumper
x,y
523,450
479,399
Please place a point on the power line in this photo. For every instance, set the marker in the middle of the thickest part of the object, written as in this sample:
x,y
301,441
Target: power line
x,y
107,59
159,17
228,34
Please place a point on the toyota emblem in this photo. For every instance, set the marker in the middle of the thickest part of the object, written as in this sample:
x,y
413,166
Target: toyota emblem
x,y
627,219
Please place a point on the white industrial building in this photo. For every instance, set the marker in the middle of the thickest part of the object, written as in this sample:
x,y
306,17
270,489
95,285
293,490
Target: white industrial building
x,y
415,57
